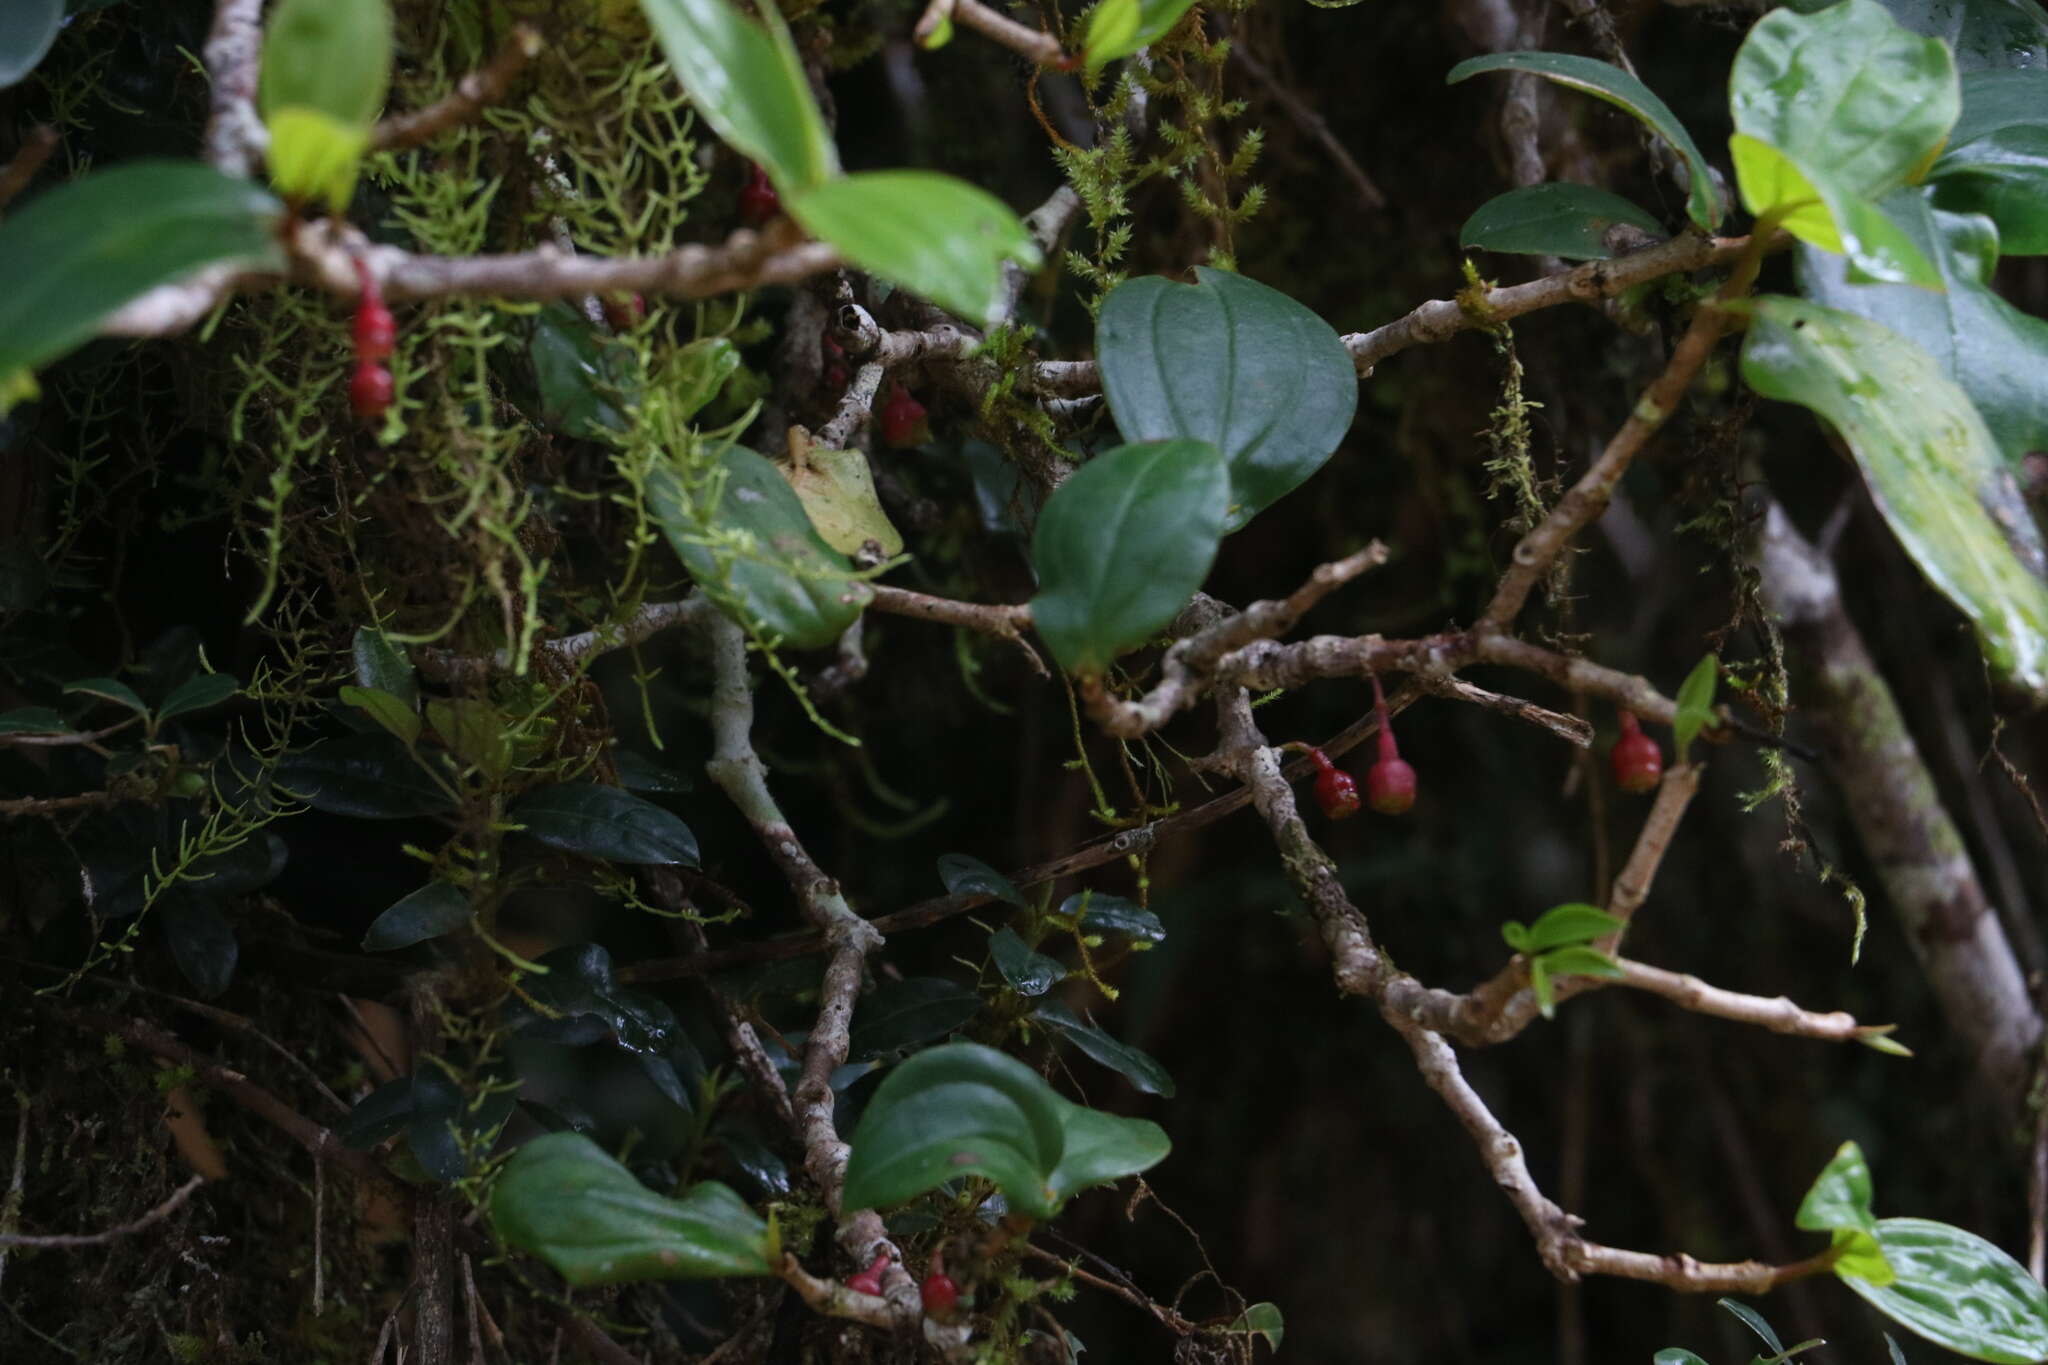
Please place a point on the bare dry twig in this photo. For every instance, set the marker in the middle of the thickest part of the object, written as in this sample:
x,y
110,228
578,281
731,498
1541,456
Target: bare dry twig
x,y
35,149
481,88
71,1241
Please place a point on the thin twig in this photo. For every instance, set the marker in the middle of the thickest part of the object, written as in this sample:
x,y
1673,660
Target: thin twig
x,y
474,93
1038,46
1574,730
69,1241
35,149
1310,122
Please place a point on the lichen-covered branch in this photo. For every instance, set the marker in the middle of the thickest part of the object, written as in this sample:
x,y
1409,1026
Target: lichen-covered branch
x,y
235,136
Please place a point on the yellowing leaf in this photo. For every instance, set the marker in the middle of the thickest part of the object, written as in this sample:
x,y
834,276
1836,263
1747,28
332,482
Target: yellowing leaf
x,y
837,490
313,156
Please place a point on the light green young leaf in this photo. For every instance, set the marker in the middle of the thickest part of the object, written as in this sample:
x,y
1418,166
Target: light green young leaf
x,y
1117,28
1695,704
1840,1196
934,235
1814,208
1858,1256
1929,461
326,67
1704,203
748,83
1265,1320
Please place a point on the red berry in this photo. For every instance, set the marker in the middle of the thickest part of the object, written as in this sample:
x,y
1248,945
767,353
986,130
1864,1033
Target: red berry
x,y
1389,783
869,1281
939,1293
624,311
1336,792
903,420
369,392
1637,762
375,331
759,202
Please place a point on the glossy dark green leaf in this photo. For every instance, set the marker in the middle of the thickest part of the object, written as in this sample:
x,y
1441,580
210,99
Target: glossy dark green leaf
x,y
397,719
1931,466
902,1014
433,1131
27,28
662,1072
32,720
1263,1319
642,1023
757,555
568,1202
1754,1321
1233,363
202,943
1122,545
382,1113
1998,354
1999,99
74,254
197,694
108,689
638,772
938,237
1140,1068
326,67
381,663
1695,704
435,909
1029,973
1610,83
1117,28
748,83
1840,1195
583,378
955,1110
578,981
2004,176
1675,1355
1982,33
1557,219
605,822
965,876
1560,926
373,777
1101,1148
1960,1292
1102,914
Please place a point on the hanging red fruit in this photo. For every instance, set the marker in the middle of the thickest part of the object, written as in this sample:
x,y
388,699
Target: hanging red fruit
x,y
1336,791
759,203
1390,782
939,1294
1637,762
369,390
903,420
375,330
869,1281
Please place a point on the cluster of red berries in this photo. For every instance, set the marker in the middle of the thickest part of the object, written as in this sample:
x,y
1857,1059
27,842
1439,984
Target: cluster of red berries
x,y
1635,759
1389,782
939,1294
369,389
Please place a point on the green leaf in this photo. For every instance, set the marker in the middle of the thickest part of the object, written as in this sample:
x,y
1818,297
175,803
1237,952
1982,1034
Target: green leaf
x,y
1840,1196
1561,926
1859,1257
381,663
1578,961
639,773
1517,935
2004,176
1675,1355
1100,914
1998,99
1029,973
934,235
757,555
955,1110
388,711
583,378
202,943
1929,461
1982,33
33,720
435,909
27,28
326,67
1231,362
965,876
1816,209
1892,1350
1695,704
382,1113
74,254
605,822
1539,985
475,731
1136,1066
564,1199
1122,545
748,83
837,489
1990,348
1100,1148
197,694
1846,90
1117,28
1754,1321
108,689
1557,219
1959,1291
1602,81
373,777
1265,1320
902,1014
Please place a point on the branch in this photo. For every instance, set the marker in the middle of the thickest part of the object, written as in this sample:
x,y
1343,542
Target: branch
x,y
1572,729
1029,43
856,408
1777,1013
235,136
69,1241
1006,621
475,92
35,149
649,620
